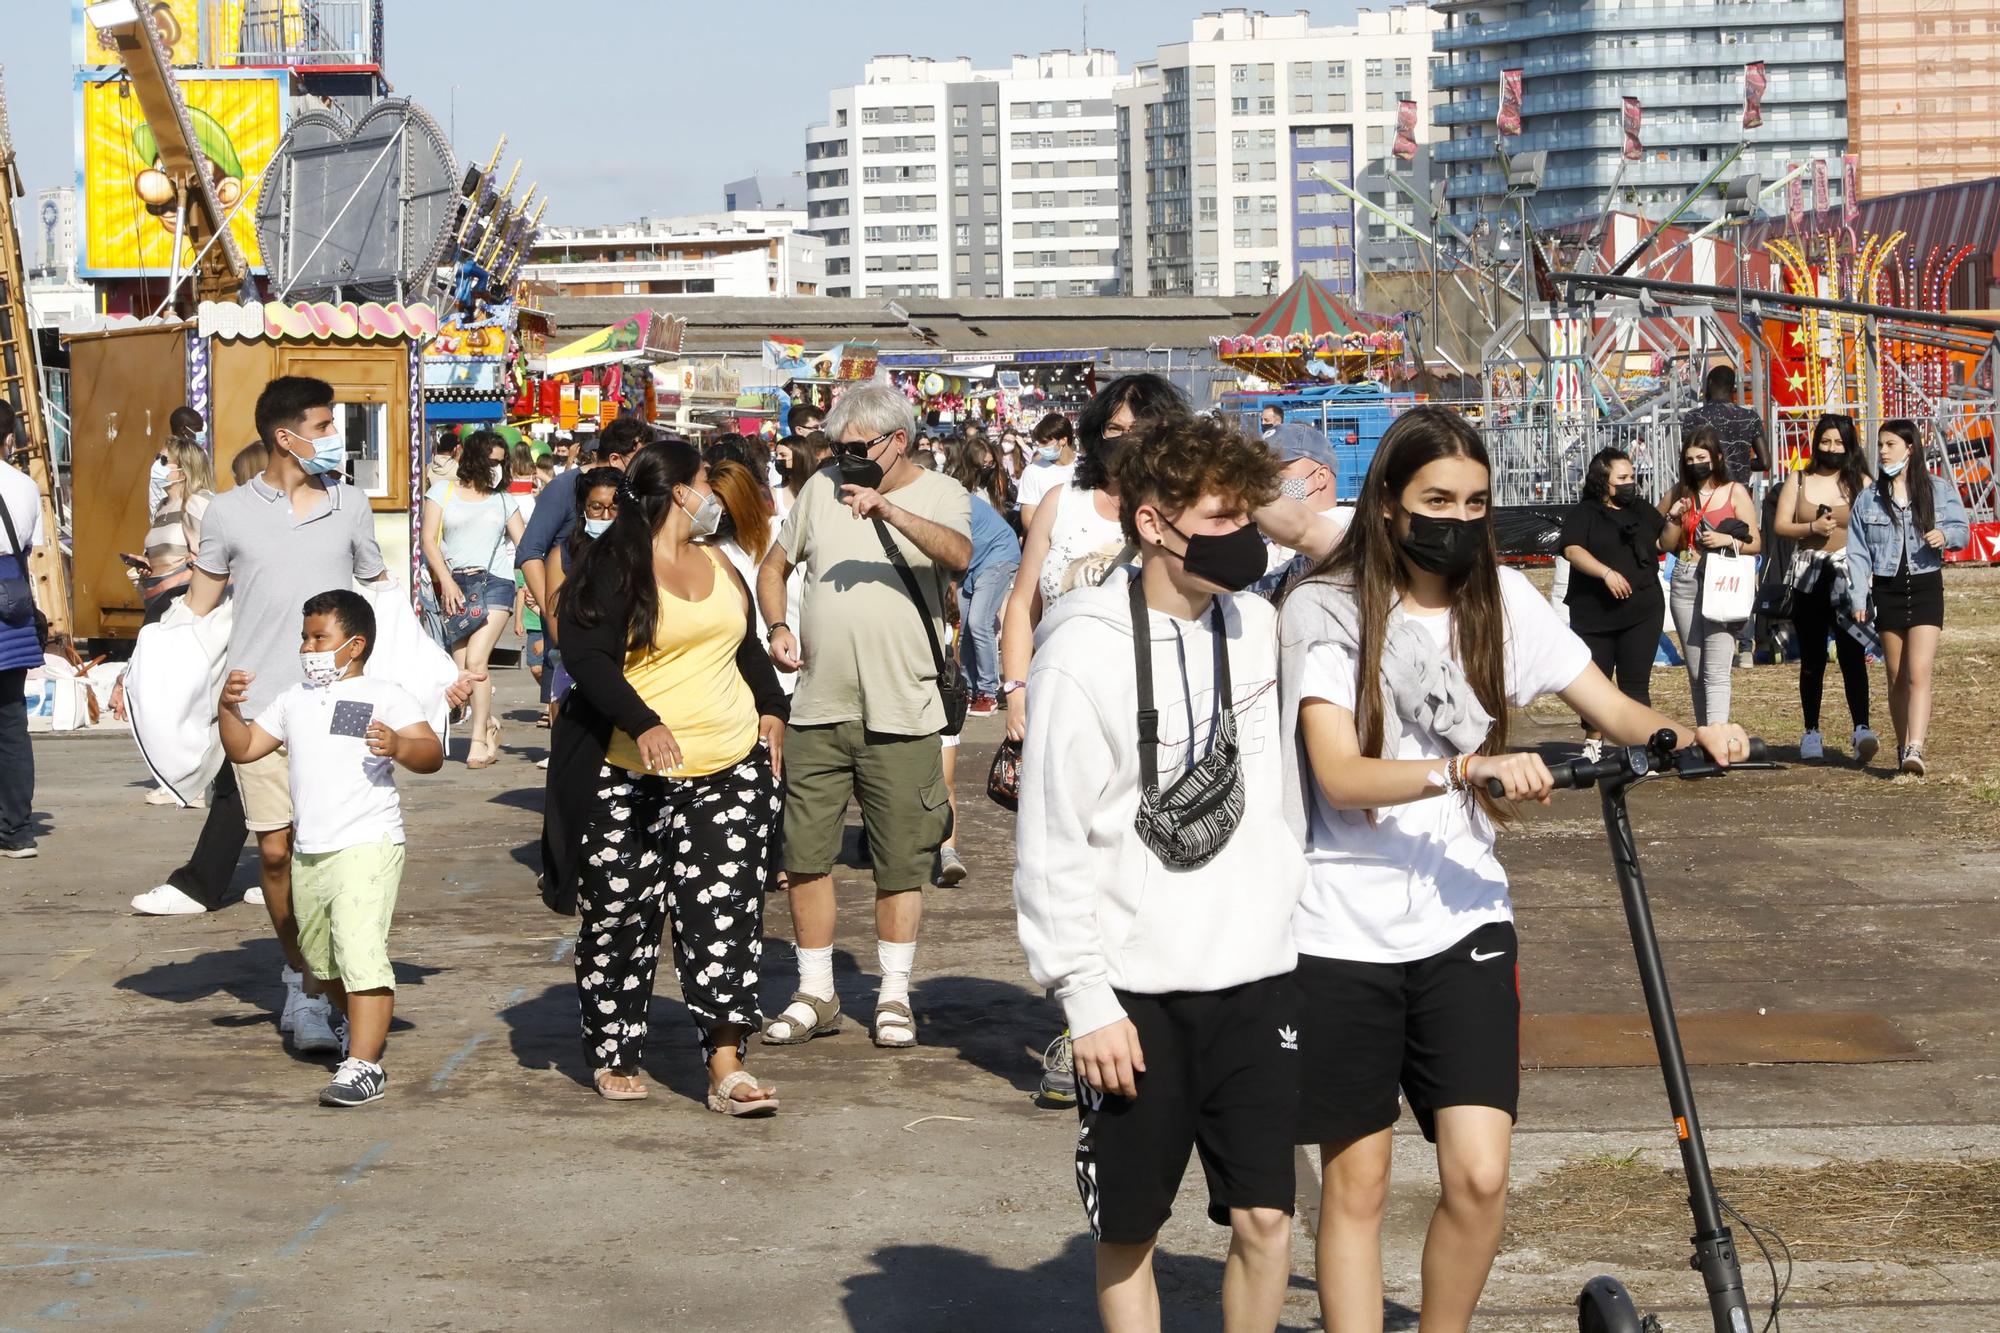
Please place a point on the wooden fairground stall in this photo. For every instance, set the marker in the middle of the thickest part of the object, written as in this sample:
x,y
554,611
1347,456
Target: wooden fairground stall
x,y
127,380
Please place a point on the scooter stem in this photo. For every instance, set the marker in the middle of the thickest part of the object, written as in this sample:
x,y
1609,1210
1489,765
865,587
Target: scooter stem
x,y
1714,1246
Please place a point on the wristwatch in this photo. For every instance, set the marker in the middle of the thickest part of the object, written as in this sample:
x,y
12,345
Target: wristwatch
x,y
1007,687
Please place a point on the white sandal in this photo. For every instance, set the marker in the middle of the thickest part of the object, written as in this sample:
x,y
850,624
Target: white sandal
x,y
722,1103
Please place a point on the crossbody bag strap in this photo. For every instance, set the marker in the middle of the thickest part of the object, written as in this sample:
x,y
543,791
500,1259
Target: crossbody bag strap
x,y
1149,716
1225,694
909,578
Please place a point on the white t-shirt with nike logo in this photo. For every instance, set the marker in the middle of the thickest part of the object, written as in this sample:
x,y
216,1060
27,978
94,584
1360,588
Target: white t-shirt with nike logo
x,y
1423,876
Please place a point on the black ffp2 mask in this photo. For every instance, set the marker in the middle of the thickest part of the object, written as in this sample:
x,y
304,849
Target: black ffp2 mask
x,y
858,469
1448,547
1231,562
1625,494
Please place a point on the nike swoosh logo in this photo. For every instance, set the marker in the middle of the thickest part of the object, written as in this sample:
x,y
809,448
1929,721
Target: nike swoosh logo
x,y
1479,957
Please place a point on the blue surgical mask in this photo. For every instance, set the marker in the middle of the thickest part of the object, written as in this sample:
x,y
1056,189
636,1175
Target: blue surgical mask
x,y
596,527
329,455
1049,453
1891,469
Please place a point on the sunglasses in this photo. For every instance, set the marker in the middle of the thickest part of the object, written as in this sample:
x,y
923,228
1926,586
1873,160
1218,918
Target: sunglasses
x,y
862,448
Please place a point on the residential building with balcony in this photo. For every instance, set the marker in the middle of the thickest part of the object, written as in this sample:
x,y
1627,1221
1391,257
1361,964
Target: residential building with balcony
x,y
1222,139
708,254
1921,92
932,178
1683,61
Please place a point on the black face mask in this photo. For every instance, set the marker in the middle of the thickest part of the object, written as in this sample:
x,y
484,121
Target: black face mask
x,y
1625,494
859,470
1828,460
1449,547
1106,452
1696,473
1232,562
987,473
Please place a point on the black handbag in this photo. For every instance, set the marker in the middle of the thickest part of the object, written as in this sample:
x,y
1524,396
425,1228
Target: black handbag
x,y
17,595
1190,822
1003,780
951,689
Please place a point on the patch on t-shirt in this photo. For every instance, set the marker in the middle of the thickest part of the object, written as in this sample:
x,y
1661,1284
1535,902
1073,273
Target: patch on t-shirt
x,y
351,718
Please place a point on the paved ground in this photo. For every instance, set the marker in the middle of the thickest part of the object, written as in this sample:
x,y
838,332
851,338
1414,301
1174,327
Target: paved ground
x,y
165,1166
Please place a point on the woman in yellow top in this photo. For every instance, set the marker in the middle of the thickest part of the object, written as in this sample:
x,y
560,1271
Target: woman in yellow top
x,y
674,822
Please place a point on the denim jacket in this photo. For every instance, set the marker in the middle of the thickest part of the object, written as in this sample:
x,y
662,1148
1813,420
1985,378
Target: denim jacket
x,y
1880,535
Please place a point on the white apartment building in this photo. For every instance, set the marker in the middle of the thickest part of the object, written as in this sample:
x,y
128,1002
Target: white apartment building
x,y
57,298
1219,138
932,178
707,254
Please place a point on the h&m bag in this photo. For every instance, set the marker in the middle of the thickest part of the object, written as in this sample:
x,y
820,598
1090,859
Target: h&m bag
x,y
1190,822
1728,588
17,595
951,690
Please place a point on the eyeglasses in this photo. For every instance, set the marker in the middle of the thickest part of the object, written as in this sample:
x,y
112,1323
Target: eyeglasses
x,y
865,447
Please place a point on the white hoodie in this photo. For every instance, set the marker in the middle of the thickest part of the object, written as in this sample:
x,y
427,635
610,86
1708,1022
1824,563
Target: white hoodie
x,y
1097,908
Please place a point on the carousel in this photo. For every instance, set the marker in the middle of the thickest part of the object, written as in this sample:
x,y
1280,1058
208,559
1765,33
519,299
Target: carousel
x,y
1308,334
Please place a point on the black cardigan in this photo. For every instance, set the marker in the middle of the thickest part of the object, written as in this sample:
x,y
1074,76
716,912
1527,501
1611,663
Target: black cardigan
x,y
603,700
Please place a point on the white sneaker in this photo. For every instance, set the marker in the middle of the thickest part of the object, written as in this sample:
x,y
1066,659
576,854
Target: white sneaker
x,y
254,895
288,1017
1866,743
312,1026
1812,745
161,796
166,900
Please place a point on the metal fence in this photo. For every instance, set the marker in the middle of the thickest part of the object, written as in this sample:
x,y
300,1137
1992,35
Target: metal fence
x,y
1542,461
295,32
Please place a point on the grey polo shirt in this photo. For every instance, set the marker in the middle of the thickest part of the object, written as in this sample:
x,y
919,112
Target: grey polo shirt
x,y
274,561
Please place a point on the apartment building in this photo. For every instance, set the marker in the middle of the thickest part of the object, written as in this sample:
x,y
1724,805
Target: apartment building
x,y
932,178
705,254
1923,92
1222,138
1683,61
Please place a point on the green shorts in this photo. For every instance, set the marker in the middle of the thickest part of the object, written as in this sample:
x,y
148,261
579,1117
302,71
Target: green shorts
x,y
900,781
343,901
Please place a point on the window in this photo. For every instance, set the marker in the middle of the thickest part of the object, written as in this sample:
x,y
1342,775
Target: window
x,y
871,115
1046,199
1302,101
1266,73
1375,101
990,204
989,113
1403,71
1239,171
958,115
1267,205
961,205
1239,74
1045,108
989,145
1020,141
961,175
1020,110
1089,226
1267,170
990,234
961,264
1045,229
961,235
1267,106
989,174
1240,205
1240,141
1239,106
1374,69
1302,71
1267,139
840,118
992,289
958,145
1074,109
1244,270
1337,70
1336,101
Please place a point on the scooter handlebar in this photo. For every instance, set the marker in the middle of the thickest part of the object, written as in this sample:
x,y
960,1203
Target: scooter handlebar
x,y
1638,761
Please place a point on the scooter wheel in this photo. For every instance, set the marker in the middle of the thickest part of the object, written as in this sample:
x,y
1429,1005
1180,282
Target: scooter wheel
x,y
1604,1306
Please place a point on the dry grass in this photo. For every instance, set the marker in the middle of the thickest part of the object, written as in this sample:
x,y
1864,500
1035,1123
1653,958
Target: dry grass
x,y
1844,1211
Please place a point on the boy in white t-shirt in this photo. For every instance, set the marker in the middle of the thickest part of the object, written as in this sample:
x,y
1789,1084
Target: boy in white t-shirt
x,y
345,733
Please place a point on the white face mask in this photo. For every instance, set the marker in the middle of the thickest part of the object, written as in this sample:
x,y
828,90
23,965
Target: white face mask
x,y
157,480
706,517
320,668
499,476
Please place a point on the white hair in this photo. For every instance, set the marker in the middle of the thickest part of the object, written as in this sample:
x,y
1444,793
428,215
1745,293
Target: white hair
x,y
871,410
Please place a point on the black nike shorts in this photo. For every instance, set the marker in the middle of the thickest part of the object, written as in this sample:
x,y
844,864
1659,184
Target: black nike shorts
x,y
1222,1080
1445,1030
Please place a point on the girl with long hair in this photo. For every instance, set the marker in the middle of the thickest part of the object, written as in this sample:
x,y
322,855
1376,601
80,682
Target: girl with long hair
x,y
1900,530
1400,656
746,534
663,785
175,535
1611,540
470,525
1708,514
1814,509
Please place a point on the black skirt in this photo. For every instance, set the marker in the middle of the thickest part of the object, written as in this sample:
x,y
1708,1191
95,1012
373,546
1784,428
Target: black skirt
x,y
1905,600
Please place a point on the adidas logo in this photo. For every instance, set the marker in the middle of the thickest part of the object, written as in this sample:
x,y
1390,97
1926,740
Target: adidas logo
x,y
1288,1038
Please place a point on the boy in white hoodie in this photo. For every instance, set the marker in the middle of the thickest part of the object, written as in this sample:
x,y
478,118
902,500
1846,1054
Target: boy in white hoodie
x,y
1165,931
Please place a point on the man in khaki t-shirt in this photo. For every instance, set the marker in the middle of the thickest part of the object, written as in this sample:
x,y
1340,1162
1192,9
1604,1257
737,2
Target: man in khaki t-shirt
x,y
866,716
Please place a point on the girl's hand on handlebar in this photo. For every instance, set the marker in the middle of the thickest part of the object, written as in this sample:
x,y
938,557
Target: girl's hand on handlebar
x,y
1726,744
1525,776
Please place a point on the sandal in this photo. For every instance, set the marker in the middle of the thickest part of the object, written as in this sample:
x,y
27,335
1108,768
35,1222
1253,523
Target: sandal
x,y
640,1094
806,1017
895,1025
722,1102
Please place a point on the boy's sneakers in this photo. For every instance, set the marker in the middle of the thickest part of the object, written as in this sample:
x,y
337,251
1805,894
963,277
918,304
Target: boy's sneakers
x,y
1058,1073
1812,745
1866,743
1913,761
20,851
166,900
288,1016
312,1026
355,1083
951,870
254,895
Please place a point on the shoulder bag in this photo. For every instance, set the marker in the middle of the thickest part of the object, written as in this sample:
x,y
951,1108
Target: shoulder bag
x,y
1190,822
951,690
17,595
473,583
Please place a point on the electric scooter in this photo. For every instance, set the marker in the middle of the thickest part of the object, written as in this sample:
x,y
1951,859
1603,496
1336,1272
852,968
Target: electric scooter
x,y
1604,1305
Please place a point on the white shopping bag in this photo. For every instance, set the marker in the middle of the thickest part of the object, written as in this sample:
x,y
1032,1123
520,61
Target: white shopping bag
x,y
172,685
405,653
1728,588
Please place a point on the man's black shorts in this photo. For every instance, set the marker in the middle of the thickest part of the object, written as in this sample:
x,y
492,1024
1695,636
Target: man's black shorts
x,y
1222,1079
1446,1030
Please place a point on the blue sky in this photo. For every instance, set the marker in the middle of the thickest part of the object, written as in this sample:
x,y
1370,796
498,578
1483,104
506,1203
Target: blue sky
x,y
628,107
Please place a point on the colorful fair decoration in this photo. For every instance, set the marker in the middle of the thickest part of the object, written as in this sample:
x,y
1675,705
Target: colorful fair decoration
x,y
318,320
646,336
1308,334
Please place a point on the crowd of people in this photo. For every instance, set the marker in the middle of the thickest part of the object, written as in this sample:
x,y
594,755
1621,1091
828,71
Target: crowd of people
x,y
1256,850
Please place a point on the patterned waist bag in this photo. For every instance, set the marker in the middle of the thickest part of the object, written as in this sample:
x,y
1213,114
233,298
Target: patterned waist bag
x,y
1190,822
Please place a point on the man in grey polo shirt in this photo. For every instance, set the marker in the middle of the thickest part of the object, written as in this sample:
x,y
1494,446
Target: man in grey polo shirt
x,y
289,534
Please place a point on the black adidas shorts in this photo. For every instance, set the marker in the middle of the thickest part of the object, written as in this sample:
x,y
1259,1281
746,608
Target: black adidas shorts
x,y
1446,1030
1221,1079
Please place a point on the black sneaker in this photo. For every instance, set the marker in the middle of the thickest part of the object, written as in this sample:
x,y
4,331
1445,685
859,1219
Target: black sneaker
x,y
354,1083
20,851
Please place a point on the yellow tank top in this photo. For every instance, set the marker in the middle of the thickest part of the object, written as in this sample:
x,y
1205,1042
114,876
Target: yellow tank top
x,y
689,678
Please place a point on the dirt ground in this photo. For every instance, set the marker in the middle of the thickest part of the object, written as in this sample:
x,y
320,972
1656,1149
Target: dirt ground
x,y
165,1166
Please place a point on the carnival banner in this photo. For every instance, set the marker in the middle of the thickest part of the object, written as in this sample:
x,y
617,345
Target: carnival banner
x,y
1406,130
1850,189
785,358
1755,80
128,202
1509,119
1634,150
1795,199
1819,192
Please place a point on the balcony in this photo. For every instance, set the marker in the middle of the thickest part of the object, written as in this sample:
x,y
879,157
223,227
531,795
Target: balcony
x,y
1473,148
294,33
1687,55
1674,18
1609,95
